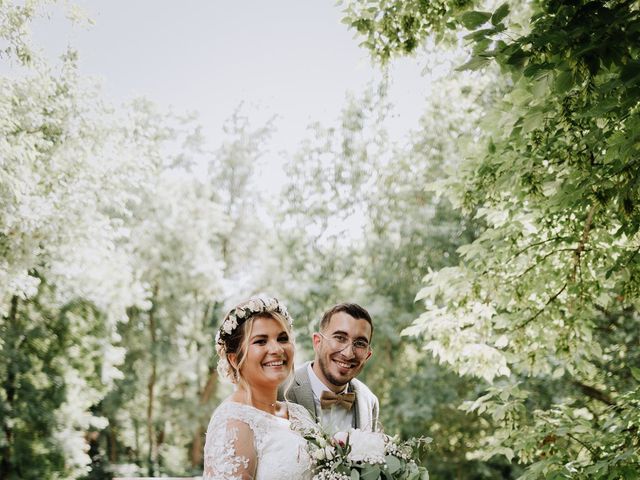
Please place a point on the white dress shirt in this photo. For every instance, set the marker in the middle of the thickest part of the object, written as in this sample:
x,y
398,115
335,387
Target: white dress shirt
x,y
334,419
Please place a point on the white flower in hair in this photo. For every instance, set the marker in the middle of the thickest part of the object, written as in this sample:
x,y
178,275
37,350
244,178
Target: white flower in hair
x,y
230,324
271,303
254,305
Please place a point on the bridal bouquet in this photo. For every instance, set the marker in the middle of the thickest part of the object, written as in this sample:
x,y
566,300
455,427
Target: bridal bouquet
x,y
357,454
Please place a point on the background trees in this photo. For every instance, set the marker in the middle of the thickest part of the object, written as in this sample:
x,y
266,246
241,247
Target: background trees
x,y
552,274
125,234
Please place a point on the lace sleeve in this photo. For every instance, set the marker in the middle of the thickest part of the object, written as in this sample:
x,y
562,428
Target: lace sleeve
x,y
229,452
301,420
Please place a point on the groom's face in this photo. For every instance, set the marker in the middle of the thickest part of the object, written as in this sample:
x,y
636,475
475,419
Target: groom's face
x,y
337,361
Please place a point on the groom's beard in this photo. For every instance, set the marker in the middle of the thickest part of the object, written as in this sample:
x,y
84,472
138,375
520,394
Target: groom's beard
x,y
332,379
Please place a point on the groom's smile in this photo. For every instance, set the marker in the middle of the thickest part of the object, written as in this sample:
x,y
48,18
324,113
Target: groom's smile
x,y
343,365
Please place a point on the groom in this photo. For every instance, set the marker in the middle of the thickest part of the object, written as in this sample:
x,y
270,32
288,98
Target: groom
x,y
327,387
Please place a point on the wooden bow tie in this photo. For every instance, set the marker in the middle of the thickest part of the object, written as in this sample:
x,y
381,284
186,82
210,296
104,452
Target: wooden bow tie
x,y
345,400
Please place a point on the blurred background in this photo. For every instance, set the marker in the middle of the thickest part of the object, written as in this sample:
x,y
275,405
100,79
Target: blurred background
x,y
160,162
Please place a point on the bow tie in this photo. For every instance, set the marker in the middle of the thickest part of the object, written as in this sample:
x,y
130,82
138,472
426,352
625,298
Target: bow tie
x,y
345,400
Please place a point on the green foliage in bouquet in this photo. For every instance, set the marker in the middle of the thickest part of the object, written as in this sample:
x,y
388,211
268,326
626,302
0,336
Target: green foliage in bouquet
x,y
358,454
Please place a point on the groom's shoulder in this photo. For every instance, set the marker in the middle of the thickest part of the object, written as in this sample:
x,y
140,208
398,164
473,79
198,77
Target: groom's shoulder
x,y
300,374
361,388
300,378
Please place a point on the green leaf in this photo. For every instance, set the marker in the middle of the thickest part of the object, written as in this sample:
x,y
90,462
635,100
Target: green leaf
x,y
482,34
393,464
564,82
355,475
473,20
635,372
481,46
532,121
474,64
370,472
500,14
517,57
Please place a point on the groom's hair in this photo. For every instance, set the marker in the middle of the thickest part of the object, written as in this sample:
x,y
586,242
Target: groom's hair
x,y
352,309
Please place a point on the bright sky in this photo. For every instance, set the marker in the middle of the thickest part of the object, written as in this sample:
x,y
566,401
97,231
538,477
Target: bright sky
x,y
290,58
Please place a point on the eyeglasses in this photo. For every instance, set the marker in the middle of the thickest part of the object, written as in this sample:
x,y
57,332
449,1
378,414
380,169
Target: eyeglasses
x,y
360,347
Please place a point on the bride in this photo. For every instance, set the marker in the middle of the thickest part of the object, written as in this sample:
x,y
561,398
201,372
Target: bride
x,y
250,434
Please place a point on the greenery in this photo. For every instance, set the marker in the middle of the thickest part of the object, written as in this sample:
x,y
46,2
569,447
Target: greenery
x,y
548,289
510,211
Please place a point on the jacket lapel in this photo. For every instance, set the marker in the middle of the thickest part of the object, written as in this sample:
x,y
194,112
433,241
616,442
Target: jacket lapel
x,y
356,410
302,393
361,411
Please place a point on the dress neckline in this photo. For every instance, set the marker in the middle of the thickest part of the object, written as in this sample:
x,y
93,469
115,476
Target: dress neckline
x,y
266,414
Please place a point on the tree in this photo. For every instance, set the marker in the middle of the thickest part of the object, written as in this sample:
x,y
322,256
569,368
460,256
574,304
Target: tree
x,y
104,228
192,238
62,274
549,287
361,226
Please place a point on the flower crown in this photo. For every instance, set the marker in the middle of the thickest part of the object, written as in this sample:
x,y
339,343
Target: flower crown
x,y
236,317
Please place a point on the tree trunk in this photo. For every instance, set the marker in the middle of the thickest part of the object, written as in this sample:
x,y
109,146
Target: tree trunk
x,y
151,437
113,446
159,442
197,443
136,429
6,466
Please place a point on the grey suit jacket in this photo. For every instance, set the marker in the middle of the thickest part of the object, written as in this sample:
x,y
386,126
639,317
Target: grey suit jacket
x,y
365,407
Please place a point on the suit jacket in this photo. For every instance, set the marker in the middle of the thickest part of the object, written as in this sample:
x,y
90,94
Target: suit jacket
x,y
365,407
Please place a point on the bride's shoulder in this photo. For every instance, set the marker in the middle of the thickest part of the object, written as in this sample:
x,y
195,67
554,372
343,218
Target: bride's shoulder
x,y
230,410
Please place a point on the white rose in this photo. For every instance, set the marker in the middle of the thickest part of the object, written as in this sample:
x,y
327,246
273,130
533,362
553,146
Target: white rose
x,y
366,446
240,313
329,452
319,454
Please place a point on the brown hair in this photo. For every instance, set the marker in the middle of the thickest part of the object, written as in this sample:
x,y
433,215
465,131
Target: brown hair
x,y
353,309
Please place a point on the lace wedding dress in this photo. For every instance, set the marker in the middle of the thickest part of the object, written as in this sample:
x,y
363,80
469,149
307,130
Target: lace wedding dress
x,y
242,439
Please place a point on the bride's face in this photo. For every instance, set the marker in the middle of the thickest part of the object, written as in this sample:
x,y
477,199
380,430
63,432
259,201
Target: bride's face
x,y
269,356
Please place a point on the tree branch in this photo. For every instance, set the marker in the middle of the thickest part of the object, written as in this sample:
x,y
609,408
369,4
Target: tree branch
x,y
583,240
535,244
543,259
594,393
537,314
